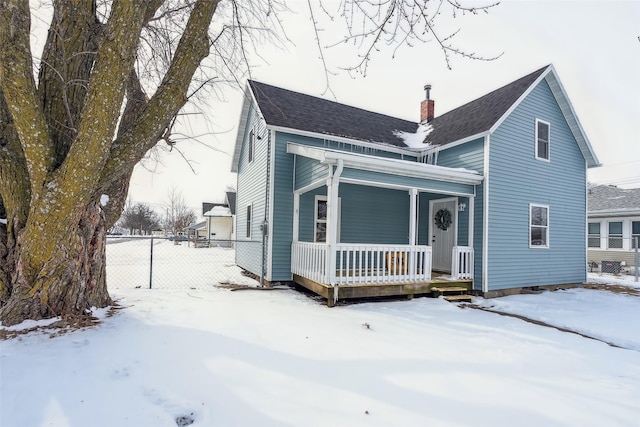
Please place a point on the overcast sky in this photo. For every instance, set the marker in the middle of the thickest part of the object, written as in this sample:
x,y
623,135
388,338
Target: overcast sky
x,y
594,46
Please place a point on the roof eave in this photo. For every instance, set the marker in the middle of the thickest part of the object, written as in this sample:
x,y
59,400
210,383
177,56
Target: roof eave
x,y
390,166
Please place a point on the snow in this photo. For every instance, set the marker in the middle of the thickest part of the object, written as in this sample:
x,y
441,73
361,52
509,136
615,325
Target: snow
x,y
415,140
218,211
104,199
281,358
3,221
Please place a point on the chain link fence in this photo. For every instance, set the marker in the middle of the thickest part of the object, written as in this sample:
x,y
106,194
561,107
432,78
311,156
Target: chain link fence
x,y
161,263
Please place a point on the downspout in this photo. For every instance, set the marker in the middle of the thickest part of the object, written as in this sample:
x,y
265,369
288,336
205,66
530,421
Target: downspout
x,y
335,184
264,227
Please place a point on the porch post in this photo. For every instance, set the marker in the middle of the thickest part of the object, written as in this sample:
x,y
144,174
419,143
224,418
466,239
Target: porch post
x,y
471,221
333,184
413,214
296,216
413,208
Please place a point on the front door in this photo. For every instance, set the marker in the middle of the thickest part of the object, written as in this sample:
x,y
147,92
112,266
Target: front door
x,y
443,232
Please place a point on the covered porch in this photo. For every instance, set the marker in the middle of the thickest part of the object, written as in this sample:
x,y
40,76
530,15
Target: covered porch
x,y
365,226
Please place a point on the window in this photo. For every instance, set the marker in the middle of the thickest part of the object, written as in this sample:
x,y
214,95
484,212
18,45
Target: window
x,y
538,226
320,219
615,235
320,228
249,214
635,234
251,145
594,234
542,140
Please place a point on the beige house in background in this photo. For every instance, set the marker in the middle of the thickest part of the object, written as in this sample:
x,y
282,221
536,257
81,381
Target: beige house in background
x,y
614,224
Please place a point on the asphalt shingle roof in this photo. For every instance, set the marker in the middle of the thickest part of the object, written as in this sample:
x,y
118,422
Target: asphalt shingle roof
x,y
611,198
285,108
288,109
481,114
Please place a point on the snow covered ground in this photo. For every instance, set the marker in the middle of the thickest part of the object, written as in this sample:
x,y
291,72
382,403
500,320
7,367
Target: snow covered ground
x,y
214,357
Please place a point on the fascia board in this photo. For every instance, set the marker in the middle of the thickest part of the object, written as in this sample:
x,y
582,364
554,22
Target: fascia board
x,y
613,213
365,144
242,127
392,166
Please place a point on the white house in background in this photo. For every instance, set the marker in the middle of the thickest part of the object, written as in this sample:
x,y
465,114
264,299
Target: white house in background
x,y
230,197
218,221
614,223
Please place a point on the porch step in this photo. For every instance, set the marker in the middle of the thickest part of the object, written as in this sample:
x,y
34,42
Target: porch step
x,y
456,298
452,293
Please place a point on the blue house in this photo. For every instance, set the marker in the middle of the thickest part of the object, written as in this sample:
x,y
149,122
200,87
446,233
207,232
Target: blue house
x,y
350,203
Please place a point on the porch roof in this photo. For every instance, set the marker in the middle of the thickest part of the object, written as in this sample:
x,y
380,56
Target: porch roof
x,y
385,165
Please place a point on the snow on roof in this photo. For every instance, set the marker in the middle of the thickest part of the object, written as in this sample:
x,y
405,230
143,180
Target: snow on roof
x,y
415,139
218,211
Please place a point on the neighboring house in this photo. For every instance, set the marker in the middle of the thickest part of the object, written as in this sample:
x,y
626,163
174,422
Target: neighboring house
x,y
230,197
354,203
614,224
196,231
218,221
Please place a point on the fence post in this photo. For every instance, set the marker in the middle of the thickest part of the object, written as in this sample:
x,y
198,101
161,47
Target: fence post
x,y
151,264
637,260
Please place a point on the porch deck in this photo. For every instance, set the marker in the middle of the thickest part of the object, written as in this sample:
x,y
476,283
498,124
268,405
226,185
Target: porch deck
x,y
372,290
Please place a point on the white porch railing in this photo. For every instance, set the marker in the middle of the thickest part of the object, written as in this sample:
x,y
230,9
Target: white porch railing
x,y
462,263
363,263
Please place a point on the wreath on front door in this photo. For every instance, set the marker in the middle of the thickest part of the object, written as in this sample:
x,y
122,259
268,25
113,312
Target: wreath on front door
x,y
442,219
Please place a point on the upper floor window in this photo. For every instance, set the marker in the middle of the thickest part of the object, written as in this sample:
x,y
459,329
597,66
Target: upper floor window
x,y
251,147
594,234
543,131
615,235
538,226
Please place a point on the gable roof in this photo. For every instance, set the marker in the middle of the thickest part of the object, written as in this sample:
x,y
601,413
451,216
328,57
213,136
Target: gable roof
x,y
287,109
207,206
479,115
231,201
610,199
295,111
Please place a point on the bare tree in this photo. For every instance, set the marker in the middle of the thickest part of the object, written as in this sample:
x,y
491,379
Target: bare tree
x,y
113,79
139,219
178,215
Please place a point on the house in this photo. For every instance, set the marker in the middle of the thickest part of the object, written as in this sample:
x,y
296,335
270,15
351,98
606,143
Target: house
x,y
351,203
218,222
614,226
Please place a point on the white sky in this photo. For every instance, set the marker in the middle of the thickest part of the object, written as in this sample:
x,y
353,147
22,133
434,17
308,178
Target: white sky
x,y
594,46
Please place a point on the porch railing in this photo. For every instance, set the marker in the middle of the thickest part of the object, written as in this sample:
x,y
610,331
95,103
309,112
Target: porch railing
x,y
363,263
462,263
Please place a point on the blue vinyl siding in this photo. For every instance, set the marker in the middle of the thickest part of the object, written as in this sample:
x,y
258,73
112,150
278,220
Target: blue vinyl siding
x,y
374,215
282,221
517,179
309,171
469,155
251,191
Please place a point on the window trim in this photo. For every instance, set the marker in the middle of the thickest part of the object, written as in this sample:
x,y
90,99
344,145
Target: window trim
x,y
591,236
251,147
617,236
320,197
249,221
632,245
548,158
546,227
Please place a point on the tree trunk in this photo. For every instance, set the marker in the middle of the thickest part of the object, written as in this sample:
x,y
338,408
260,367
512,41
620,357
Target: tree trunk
x,y
71,281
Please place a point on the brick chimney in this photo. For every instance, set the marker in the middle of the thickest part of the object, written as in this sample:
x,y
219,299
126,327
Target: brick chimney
x,y
427,107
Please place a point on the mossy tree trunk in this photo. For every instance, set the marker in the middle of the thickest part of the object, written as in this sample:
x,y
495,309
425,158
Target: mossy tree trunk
x,y
64,143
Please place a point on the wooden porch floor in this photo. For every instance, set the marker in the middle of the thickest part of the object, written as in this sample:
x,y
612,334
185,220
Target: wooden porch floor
x,y
364,290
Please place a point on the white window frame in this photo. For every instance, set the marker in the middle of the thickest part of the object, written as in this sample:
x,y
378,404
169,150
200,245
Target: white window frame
x,y
249,221
591,236
251,146
548,158
617,236
315,217
546,227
